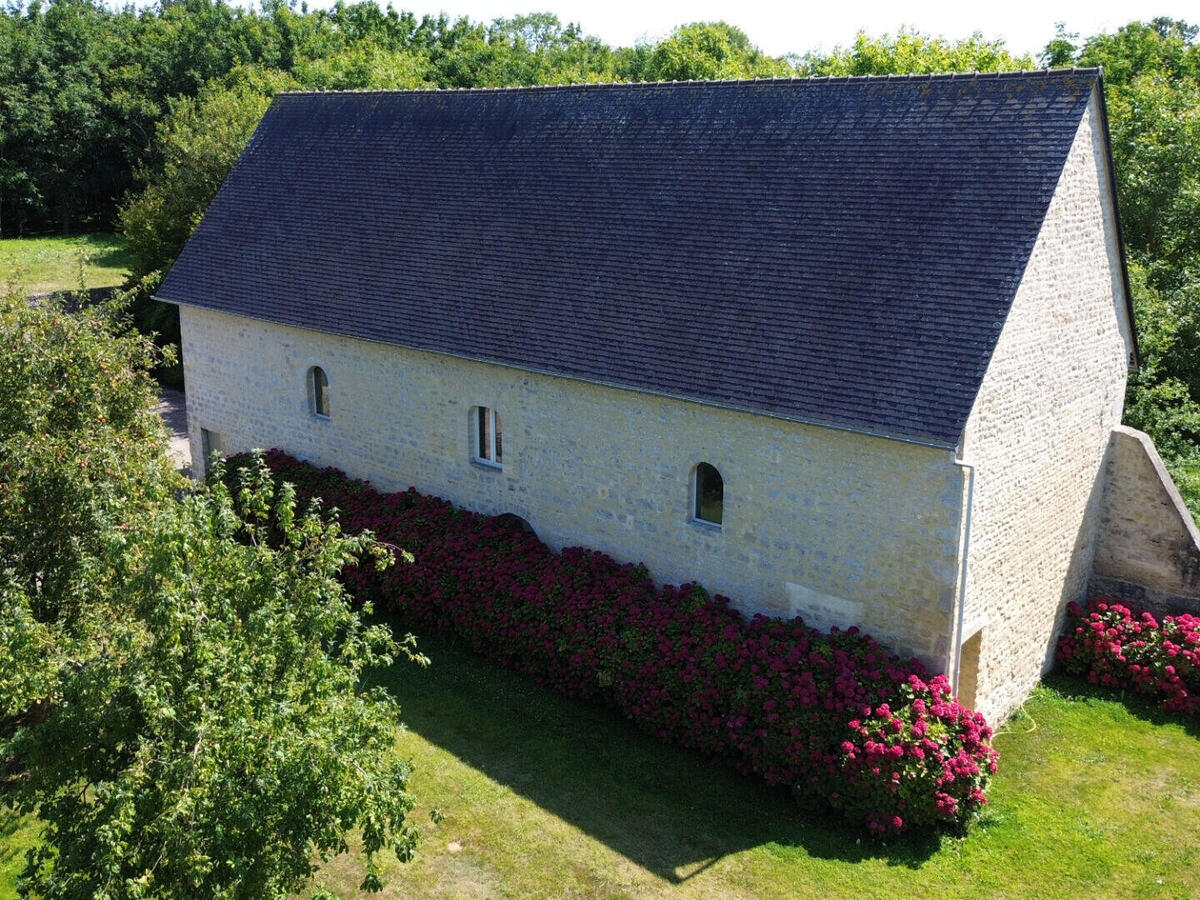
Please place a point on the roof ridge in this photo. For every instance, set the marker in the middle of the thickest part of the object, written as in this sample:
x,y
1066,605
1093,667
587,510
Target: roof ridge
x,y
780,80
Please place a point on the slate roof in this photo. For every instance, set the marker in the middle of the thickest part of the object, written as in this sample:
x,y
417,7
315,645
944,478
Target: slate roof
x,y
838,251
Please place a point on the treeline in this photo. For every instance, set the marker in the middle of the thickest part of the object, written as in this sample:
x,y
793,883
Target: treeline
x,y
131,119
1152,87
85,89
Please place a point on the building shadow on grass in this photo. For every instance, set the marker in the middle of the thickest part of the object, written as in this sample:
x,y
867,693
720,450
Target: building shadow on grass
x,y
667,809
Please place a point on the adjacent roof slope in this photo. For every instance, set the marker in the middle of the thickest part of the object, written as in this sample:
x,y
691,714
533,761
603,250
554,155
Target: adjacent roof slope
x,y
841,251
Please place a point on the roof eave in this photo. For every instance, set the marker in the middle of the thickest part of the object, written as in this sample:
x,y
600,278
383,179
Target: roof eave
x,y
921,441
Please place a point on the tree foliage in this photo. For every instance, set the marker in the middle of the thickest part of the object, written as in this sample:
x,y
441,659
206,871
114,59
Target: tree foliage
x,y
180,686
217,741
57,140
80,445
197,144
706,51
911,52
1152,77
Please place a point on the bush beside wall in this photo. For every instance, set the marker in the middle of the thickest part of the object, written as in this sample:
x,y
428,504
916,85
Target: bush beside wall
x,y
1115,647
834,716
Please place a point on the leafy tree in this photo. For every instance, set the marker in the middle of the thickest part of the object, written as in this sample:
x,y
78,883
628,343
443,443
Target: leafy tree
x,y
80,447
188,44
368,23
57,133
705,51
216,740
1155,125
363,67
458,52
1060,52
179,685
1152,75
1165,46
544,51
198,144
910,52
80,452
1161,396
524,50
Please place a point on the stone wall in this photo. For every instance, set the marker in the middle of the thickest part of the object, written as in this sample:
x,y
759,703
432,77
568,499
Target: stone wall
x,y
840,527
1147,547
1037,438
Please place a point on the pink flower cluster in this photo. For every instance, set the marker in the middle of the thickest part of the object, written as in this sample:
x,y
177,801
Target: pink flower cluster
x,y
834,716
1116,648
923,749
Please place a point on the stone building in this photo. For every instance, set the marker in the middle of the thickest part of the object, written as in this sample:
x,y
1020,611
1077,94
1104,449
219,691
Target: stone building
x,y
852,349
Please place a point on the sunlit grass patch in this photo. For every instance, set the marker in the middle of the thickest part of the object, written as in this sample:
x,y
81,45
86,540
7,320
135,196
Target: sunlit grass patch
x,y
545,796
43,264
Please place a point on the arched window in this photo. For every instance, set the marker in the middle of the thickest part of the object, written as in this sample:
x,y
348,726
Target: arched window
x,y
709,492
318,392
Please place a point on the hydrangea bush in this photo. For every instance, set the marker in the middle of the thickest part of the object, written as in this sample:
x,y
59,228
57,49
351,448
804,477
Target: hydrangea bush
x,y
1115,647
834,716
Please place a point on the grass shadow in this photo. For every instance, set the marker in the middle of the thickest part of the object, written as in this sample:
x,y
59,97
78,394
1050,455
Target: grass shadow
x,y
12,846
1140,706
10,821
665,808
106,250
111,258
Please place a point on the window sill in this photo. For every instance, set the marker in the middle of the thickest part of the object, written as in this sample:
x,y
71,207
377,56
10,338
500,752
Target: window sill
x,y
487,464
705,525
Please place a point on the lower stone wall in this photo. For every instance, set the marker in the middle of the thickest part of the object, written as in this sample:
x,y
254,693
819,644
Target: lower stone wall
x,y
841,528
1148,546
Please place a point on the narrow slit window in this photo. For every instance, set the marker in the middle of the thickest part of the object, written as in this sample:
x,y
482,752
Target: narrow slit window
x,y
318,391
710,495
489,447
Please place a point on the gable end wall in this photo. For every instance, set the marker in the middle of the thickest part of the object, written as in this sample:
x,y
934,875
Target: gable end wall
x,y
1038,433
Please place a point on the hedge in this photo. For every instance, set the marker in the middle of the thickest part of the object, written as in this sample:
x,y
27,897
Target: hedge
x,y
834,716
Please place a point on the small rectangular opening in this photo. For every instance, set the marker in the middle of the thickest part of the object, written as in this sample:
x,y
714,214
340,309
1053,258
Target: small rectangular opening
x,y
210,443
968,670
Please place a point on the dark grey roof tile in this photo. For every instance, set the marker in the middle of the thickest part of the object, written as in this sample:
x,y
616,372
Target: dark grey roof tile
x,y
841,251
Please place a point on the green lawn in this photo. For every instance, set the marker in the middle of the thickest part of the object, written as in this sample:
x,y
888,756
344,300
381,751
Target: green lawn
x,y
16,836
44,264
545,797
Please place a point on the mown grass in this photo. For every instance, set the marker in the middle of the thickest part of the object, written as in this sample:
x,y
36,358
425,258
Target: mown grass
x,y
546,797
17,834
43,264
